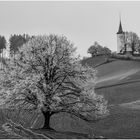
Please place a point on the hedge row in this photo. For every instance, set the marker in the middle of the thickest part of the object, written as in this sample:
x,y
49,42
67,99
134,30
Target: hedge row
x,y
125,57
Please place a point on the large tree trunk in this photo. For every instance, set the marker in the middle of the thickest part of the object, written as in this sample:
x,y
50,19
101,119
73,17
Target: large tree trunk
x,y
47,116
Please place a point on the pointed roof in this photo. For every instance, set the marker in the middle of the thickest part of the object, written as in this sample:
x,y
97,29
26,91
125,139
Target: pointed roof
x,y
120,31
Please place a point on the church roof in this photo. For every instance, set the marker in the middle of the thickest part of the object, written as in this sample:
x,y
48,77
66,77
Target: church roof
x,y
120,31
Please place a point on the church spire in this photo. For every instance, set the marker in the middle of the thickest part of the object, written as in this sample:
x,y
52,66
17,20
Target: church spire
x,y
120,31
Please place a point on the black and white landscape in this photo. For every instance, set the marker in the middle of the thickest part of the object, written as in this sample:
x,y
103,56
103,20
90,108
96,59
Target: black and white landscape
x,y
69,70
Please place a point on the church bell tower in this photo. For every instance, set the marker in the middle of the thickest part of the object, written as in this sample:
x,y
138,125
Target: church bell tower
x,y
120,38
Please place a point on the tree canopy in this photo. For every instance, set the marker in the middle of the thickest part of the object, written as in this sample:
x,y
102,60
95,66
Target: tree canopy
x,y
46,74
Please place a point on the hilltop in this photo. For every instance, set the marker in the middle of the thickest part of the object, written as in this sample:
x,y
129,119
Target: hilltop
x,y
94,61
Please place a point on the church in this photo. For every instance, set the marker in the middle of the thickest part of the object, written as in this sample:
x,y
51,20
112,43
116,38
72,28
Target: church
x,y
123,46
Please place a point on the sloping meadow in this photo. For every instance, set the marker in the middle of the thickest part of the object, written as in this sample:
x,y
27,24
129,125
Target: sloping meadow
x,y
61,122
26,118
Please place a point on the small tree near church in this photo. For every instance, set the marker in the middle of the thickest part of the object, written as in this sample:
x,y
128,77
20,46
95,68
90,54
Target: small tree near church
x,y
97,50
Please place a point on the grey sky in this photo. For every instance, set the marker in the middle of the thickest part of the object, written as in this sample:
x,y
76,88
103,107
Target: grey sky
x,y
82,22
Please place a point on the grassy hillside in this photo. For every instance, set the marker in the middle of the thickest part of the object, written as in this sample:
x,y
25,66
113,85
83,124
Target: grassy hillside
x,y
118,71
117,67
119,83
113,72
121,123
94,61
121,93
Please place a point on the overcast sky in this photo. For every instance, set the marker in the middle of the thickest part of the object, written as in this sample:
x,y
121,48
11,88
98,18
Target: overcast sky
x,y
82,22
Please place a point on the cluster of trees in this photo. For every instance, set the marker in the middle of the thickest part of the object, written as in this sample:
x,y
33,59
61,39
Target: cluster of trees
x,y
15,42
97,49
46,74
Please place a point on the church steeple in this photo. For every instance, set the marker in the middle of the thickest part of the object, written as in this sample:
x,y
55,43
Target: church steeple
x,y
120,38
120,31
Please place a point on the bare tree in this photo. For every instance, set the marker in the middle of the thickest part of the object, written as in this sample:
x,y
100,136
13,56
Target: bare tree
x,y
134,40
46,74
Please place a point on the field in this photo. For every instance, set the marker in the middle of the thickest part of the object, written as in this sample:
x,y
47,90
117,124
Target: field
x,y
119,82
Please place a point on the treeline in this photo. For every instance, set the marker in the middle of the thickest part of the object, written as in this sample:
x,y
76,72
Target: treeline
x,y
15,42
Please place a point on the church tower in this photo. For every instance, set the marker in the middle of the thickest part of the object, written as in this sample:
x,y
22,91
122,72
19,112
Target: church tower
x,y
120,38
